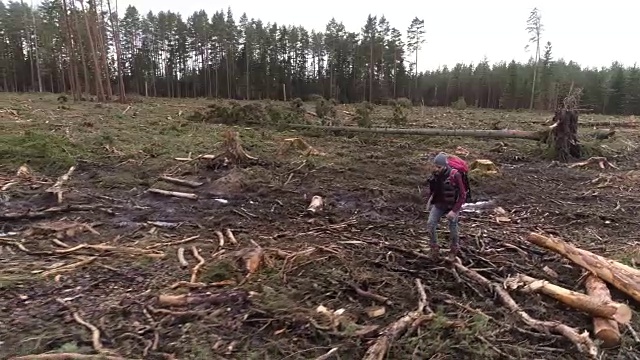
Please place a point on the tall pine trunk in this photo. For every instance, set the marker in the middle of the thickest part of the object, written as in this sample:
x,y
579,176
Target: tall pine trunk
x,y
115,29
94,56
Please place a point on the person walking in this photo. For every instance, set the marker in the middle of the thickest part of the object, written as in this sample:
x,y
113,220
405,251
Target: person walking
x,y
448,187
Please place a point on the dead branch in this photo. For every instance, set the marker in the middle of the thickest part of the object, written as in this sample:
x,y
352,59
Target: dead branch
x,y
593,306
369,295
378,350
57,187
194,272
95,333
220,238
69,267
328,354
178,194
300,145
199,285
601,161
67,356
171,243
43,213
182,182
581,341
181,259
116,249
227,297
231,237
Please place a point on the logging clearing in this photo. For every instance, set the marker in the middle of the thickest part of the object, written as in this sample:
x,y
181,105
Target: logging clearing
x,y
193,229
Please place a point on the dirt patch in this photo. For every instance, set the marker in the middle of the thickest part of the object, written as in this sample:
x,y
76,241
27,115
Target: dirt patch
x,y
244,272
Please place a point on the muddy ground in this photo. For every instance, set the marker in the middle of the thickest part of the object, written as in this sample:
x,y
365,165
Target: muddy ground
x,y
258,298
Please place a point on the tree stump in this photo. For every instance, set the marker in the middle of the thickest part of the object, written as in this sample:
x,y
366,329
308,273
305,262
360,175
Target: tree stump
x,y
564,135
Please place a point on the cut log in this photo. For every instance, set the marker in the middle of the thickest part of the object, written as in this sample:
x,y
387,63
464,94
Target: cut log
x,y
623,277
581,340
605,330
316,204
593,306
498,134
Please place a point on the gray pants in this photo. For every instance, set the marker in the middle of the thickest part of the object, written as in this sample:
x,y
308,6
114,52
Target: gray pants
x,y
435,214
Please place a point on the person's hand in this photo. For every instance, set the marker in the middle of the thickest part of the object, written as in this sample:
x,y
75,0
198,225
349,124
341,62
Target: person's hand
x,y
451,215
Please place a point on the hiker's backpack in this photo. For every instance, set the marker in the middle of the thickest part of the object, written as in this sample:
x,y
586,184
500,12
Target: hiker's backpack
x,y
459,165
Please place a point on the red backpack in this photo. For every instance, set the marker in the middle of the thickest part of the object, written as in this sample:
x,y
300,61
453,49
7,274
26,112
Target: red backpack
x,y
459,165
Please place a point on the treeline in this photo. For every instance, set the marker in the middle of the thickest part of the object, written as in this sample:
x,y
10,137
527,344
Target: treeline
x,y
86,48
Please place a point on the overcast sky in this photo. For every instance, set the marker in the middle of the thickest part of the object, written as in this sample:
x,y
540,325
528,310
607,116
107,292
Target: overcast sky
x,y
593,34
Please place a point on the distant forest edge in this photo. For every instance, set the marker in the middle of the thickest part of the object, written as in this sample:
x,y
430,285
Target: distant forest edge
x,y
85,47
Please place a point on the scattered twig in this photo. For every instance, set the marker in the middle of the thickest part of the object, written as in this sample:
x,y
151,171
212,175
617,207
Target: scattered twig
x,y
67,356
194,272
95,333
226,297
328,354
69,267
378,350
231,237
57,187
181,259
171,243
369,295
220,238
43,213
178,194
182,182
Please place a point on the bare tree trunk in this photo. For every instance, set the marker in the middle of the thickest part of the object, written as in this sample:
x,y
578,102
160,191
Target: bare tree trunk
x,y
76,34
35,36
103,50
115,28
94,56
74,81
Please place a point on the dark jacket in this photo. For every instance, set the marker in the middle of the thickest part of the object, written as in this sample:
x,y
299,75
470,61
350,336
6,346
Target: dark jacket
x,y
448,190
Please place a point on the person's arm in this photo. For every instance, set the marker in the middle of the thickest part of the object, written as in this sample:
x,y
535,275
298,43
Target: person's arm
x,y
463,191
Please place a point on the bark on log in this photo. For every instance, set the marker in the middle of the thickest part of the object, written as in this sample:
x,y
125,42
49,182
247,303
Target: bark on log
x,y
623,277
581,341
605,330
594,306
498,134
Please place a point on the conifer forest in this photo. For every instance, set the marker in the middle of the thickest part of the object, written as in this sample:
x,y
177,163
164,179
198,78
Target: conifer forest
x,y
86,47
210,186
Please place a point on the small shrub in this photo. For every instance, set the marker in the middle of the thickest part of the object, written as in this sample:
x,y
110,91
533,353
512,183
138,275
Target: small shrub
x,y
363,114
460,104
400,115
404,102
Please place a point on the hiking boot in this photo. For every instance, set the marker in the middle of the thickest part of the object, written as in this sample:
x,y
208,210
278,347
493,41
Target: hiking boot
x,y
453,252
435,251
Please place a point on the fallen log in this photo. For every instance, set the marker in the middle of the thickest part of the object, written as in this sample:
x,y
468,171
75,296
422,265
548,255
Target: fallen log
x,y
605,330
593,306
498,134
581,341
623,277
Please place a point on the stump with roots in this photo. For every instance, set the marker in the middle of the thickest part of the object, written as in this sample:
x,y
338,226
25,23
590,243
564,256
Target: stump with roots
x,y
563,138
233,152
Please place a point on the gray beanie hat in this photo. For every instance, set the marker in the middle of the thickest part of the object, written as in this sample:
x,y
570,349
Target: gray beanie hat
x,y
441,159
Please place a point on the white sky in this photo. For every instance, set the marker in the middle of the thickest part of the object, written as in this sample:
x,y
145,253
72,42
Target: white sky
x,y
462,30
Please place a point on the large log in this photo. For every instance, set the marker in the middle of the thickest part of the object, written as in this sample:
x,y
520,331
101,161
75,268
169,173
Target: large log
x,y
623,277
580,340
498,134
605,330
594,306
